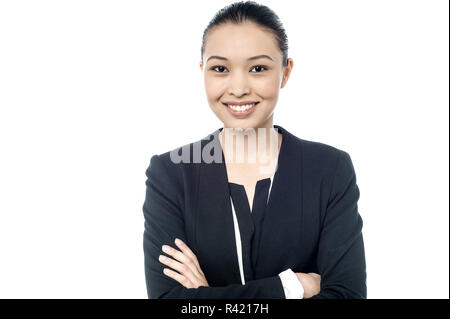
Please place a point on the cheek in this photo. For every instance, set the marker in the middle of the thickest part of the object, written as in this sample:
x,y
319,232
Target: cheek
x,y
268,88
213,89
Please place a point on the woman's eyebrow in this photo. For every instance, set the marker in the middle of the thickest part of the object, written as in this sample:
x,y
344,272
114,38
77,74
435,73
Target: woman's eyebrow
x,y
252,58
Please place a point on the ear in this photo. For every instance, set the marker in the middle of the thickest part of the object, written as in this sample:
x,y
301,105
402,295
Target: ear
x,y
286,72
201,66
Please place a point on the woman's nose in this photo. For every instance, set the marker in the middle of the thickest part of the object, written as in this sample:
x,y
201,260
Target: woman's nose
x,y
238,85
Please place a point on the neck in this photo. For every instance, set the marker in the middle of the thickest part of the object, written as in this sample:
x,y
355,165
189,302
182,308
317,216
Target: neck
x,y
252,146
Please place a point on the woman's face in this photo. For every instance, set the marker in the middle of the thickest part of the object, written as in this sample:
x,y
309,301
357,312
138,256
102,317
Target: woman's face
x,y
233,75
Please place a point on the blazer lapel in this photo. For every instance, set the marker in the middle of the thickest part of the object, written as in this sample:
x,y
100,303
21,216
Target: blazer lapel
x,y
282,228
215,238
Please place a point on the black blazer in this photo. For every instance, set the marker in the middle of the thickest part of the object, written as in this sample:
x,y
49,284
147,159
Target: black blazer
x,y
311,224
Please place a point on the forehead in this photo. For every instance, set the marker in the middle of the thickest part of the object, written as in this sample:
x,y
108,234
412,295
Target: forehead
x,y
240,41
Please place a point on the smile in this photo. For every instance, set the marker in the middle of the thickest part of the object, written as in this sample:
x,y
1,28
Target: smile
x,y
241,110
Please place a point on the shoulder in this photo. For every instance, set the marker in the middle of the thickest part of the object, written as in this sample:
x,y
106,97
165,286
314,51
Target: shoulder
x,y
185,157
328,168
174,164
320,158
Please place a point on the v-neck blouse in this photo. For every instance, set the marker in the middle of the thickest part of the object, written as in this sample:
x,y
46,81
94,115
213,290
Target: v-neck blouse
x,y
248,225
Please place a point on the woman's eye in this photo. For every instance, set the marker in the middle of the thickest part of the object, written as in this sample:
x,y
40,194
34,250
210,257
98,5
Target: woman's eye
x,y
259,66
219,66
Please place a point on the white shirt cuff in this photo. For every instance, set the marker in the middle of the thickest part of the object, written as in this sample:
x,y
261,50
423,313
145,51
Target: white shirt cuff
x,y
293,288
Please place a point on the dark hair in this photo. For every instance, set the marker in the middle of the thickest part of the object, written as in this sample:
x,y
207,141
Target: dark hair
x,y
240,12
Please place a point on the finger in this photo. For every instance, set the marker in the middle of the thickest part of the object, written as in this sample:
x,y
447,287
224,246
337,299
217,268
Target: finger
x,y
188,252
178,255
181,257
178,277
181,268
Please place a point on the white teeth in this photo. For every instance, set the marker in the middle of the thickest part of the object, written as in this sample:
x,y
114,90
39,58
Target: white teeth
x,y
241,108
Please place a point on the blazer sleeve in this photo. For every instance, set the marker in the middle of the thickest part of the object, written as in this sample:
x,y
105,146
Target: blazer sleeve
x,y
341,258
163,215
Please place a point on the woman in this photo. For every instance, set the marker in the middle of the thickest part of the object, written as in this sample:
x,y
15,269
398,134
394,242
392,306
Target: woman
x,y
285,225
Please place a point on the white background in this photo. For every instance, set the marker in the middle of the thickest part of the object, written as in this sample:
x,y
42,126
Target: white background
x,y
90,90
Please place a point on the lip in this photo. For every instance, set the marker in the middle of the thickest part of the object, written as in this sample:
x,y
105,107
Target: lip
x,y
240,114
241,103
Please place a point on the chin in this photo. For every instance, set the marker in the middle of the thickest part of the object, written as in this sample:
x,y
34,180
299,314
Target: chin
x,y
241,124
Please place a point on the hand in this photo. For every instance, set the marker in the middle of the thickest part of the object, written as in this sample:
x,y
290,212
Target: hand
x,y
310,283
188,271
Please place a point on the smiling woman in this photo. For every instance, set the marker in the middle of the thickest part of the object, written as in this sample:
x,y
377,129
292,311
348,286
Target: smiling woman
x,y
245,65
285,225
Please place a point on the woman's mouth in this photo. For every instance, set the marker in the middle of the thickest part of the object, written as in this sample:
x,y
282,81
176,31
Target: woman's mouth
x,y
241,110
